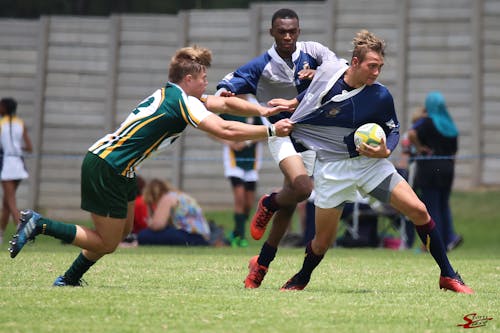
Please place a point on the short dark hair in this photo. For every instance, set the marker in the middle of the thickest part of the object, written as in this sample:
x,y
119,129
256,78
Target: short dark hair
x,y
284,13
10,105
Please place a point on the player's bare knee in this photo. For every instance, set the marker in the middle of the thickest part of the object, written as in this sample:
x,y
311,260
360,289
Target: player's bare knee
x,y
419,214
109,248
320,246
302,188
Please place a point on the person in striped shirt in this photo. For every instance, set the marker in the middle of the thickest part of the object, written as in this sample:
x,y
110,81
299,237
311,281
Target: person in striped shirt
x,y
108,183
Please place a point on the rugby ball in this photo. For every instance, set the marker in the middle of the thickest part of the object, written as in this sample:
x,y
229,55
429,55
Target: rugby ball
x,y
370,133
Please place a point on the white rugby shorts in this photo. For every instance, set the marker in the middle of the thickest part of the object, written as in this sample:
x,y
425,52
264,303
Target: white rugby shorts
x,y
282,147
232,170
338,182
245,175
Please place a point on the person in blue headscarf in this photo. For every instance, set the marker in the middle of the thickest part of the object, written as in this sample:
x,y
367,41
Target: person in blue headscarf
x,y
436,140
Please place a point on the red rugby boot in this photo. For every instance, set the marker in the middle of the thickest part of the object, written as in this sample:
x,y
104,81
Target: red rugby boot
x,y
256,273
455,284
260,220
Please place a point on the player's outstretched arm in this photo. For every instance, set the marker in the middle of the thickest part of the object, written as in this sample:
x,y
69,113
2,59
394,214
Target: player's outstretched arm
x,y
288,103
240,107
238,131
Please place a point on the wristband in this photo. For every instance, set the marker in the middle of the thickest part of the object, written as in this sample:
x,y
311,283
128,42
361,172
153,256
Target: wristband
x,y
271,130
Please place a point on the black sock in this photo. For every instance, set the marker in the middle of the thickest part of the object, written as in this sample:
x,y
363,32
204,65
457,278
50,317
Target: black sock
x,y
311,260
239,224
78,268
431,238
267,254
270,202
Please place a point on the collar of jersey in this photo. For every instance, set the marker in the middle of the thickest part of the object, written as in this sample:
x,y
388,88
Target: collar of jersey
x,y
184,95
276,57
345,94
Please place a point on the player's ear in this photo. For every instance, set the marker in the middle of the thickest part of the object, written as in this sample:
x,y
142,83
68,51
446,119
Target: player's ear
x,y
271,31
354,62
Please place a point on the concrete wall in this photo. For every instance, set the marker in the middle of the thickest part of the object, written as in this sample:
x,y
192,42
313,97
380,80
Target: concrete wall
x,y
76,78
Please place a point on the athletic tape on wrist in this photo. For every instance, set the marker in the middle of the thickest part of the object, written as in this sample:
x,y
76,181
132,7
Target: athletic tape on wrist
x,y
271,130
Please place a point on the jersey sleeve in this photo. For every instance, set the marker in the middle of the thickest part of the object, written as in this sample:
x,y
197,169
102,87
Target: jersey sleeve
x,y
244,80
320,52
300,96
196,111
391,123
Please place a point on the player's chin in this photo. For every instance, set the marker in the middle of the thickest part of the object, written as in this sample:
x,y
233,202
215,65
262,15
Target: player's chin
x,y
287,47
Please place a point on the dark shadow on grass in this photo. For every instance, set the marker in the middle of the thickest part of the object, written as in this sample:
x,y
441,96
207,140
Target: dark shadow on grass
x,y
355,291
318,290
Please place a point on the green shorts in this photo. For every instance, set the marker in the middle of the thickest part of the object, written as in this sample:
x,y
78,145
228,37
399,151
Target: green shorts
x,y
104,191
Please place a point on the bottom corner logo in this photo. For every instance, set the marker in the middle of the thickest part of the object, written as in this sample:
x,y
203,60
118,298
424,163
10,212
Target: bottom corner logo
x,y
472,320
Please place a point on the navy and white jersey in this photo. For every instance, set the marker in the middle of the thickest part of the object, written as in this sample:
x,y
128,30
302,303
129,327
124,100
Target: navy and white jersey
x,y
268,76
330,112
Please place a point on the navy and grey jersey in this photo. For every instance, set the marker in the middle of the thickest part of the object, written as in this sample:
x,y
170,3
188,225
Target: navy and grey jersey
x,y
268,76
330,112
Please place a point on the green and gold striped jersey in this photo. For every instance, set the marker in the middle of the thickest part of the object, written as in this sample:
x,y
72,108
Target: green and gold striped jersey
x,y
249,157
157,121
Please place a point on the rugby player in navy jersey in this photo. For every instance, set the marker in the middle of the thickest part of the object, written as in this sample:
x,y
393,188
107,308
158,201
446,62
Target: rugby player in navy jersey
x,y
283,71
340,98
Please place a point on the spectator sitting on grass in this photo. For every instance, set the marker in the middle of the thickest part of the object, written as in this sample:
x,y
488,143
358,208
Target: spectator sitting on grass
x,y
175,217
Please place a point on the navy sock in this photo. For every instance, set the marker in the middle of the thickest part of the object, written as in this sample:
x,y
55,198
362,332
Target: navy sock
x,y
432,240
311,261
270,202
239,224
267,254
78,268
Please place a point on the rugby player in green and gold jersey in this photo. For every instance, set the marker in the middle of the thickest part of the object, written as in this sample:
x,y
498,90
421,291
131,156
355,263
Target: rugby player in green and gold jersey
x,y
108,184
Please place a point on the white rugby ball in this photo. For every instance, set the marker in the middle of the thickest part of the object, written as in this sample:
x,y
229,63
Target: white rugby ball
x,y
370,133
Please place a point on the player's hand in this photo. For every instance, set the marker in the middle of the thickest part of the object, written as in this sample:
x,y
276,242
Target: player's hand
x,y
271,111
379,151
283,127
227,94
289,103
306,74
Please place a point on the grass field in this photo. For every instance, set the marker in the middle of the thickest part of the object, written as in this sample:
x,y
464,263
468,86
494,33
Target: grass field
x,y
169,289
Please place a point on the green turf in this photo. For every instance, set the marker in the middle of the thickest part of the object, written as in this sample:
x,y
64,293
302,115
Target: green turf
x,y
169,289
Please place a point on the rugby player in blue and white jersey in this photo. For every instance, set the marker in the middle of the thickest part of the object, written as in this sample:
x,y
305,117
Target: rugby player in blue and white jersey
x,y
340,99
283,71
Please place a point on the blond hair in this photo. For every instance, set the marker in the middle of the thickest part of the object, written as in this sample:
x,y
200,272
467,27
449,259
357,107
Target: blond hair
x,y
188,60
364,42
155,189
